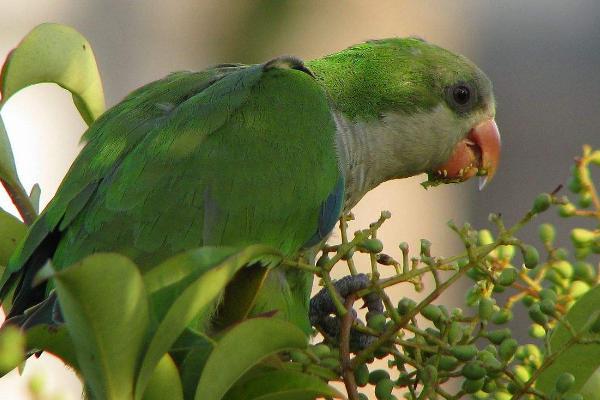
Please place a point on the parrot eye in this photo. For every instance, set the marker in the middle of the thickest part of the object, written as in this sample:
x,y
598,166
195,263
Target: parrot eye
x,y
461,96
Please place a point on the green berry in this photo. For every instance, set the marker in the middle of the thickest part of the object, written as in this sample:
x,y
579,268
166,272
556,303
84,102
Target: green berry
x,y
547,233
564,268
541,203
384,388
574,185
522,373
455,333
506,252
484,237
578,289
582,237
464,352
372,245
531,257
585,200
528,300
498,335
548,294
361,375
299,356
486,308
377,375
564,382
567,210
376,322
432,312
321,350
508,276
473,370
537,331
536,314
405,305
473,386
594,157
448,363
331,363
548,307
583,271
362,396
502,316
492,365
507,349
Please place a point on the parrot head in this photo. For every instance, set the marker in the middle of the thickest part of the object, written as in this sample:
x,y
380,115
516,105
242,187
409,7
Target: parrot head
x,y
405,107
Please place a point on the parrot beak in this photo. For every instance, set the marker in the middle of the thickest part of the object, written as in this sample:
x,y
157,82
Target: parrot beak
x,y
477,154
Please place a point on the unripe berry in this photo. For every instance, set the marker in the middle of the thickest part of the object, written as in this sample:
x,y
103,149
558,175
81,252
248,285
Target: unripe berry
x,y
377,375
564,382
582,237
473,370
376,322
578,289
502,316
486,308
361,375
372,245
531,257
585,200
541,203
564,268
484,237
537,331
12,344
547,233
536,314
464,352
384,388
473,386
548,307
431,312
448,363
507,349
583,271
498,335
405,305
508,276
567,210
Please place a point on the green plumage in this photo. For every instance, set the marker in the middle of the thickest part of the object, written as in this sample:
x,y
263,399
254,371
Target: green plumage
x,y
210,158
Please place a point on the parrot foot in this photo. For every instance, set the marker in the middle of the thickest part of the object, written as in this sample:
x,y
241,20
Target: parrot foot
x,y
323,313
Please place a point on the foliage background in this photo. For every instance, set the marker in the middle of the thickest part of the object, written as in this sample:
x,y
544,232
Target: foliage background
x,y
541,55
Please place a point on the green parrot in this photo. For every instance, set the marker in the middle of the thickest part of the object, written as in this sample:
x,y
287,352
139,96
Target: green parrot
x,y
270,153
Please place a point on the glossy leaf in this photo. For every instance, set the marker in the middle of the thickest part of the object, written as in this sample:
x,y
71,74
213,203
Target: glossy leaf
x,y
34,196
581,360
55,53
164,382
8,170
188,285
241,348
12,231
282,385
55,340
104,304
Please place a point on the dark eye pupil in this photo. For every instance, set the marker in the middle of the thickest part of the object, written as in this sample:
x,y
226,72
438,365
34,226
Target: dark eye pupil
x,y
461,94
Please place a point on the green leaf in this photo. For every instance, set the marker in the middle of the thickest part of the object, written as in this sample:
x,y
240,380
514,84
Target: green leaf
x,y
242,347
104,304
8,170
53,339
581,360
54,53
11,232
165,382
188,285
34,196
282,385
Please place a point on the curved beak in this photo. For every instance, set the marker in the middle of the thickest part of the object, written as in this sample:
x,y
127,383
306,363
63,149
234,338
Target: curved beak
x,y
477,154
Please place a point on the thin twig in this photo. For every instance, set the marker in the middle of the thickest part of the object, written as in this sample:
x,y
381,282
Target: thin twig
x,y
345,329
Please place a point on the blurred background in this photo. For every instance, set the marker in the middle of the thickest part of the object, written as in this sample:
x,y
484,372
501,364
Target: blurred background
x,y
541,55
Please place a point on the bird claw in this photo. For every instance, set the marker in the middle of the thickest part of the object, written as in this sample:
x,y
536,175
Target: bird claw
x,y
323,313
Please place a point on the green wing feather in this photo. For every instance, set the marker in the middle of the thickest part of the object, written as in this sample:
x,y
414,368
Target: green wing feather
x,y
228,156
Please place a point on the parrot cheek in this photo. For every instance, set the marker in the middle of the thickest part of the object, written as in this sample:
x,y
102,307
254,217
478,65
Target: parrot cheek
x,y
477,154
